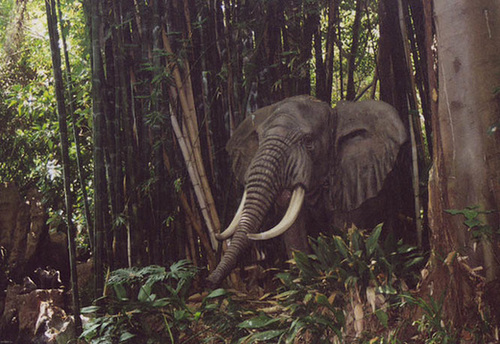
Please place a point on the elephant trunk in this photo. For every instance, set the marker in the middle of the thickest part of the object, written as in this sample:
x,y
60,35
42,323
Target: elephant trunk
x,y
261,190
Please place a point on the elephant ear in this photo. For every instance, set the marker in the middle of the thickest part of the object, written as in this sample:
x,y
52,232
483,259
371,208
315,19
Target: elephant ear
x,y
367,140
244,142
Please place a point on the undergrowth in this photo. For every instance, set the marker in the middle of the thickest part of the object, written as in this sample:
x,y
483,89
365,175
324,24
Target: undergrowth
x,y
143,305
347,290
343,292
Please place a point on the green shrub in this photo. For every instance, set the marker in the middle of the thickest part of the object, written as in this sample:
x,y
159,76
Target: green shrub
x,y
143,305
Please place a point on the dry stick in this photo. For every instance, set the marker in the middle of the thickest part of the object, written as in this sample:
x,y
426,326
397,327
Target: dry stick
x,y
197,151
212,261
206,123
192,152
195,178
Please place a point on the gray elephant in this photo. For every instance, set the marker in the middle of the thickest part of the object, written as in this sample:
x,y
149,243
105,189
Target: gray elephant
x,y
313,161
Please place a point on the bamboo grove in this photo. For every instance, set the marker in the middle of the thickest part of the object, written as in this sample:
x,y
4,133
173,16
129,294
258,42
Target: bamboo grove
x,y
171,80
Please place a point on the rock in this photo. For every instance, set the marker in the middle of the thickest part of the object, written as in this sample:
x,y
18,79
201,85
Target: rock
x,y
22,310
28,285
85,272
53,325
22,228
11,209
48,278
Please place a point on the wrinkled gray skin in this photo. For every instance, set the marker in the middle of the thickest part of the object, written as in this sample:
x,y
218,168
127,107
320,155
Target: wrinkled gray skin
x,y
340,156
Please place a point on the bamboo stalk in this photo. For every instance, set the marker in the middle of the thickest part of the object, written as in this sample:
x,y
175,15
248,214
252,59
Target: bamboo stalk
x,y
195,179
192,245
197,150
212,262
190,147
50,7
412,121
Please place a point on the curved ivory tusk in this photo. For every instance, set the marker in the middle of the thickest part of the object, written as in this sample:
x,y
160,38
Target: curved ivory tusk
x,y
234,224
288,220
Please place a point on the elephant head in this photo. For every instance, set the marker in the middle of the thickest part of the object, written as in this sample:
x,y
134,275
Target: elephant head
x,y
301,152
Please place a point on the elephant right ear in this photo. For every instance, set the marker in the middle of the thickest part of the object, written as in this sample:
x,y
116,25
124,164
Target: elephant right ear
x,y
244,142
368,137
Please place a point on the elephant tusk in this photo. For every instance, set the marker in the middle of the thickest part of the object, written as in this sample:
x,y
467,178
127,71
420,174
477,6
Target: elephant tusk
x,y
288,220
234,224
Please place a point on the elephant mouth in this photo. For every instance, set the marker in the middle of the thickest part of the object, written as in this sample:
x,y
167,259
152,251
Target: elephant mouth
x,y
293,198
283,198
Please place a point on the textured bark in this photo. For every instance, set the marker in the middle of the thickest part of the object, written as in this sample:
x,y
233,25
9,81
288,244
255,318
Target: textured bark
x,y
466,149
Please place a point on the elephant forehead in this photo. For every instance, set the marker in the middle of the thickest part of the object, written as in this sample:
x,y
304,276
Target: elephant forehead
x,y
306,117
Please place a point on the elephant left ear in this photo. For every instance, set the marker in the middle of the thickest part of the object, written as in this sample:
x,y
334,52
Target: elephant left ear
x,y
367,140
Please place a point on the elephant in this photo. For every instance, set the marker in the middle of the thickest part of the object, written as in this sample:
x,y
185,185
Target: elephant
x,y
310,159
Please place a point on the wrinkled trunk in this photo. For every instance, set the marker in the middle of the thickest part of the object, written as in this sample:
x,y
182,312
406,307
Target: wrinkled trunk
x,y
262,189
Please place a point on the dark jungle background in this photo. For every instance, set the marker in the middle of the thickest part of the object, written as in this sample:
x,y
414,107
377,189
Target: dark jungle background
x,y
118,113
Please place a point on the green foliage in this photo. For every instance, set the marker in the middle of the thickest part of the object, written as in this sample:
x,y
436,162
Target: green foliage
x,y
473,222
359,261
316,294
29,129
222,312
146,305
431,325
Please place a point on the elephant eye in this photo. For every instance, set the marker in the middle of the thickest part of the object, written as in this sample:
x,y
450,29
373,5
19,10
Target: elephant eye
x,y
308,142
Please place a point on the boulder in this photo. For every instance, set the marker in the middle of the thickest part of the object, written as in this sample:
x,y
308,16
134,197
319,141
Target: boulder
x,y
22,311
22,228
53,326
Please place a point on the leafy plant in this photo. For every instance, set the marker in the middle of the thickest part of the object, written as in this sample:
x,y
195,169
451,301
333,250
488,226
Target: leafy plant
x,y
477,227
318,292
431,325
146,305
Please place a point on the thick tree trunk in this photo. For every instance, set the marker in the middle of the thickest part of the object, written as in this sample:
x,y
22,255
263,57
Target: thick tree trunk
x,y
466,170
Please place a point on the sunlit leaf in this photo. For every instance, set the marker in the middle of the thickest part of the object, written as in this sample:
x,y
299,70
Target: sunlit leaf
x,y
258,322
217,293
126,336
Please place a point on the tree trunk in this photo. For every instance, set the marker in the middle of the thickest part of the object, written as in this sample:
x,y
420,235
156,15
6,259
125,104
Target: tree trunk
x,y
100,207
63,132
351,90
466,170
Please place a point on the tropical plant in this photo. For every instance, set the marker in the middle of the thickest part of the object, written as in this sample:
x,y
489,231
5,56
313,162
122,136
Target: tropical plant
x,y
326,292
143,305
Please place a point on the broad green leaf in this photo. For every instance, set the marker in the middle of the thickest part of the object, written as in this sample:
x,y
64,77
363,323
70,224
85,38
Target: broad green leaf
x,y
217,293
382,317
126,336
89,309
341,246
145,292
322,300
90,329
161,302
372,241
258,322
